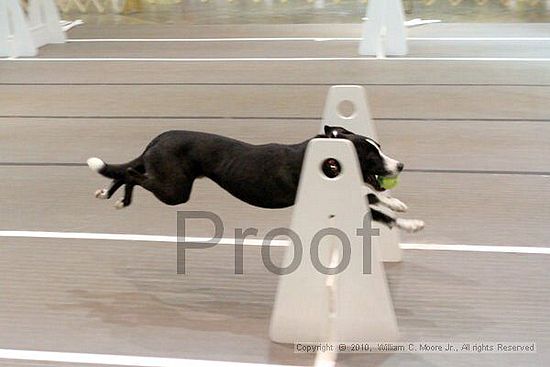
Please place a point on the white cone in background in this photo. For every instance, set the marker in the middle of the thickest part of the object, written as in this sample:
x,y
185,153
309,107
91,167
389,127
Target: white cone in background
x,y
319,4
15,36
360,308
360,122
384,31
44,22
21,35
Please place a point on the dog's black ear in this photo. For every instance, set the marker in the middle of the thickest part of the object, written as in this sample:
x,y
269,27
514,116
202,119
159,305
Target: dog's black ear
x,y
336,131
328,130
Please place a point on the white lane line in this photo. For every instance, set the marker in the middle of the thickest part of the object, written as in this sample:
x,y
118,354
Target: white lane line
x,y
476,248
119,360
244,39
481,39
306,39
259,242
272,59
131,237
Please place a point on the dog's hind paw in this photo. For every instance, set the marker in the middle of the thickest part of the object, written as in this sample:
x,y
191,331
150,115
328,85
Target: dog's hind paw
x,y
396,205
101,194
120,204
409,225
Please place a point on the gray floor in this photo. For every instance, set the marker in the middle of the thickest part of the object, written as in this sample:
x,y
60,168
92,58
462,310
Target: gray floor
x,y
473,135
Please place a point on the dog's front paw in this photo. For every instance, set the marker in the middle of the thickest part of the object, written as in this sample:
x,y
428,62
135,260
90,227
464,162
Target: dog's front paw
x,y
409,225
120,204
101,194
396,205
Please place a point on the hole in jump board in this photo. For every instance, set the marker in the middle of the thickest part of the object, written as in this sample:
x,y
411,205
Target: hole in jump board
x,y
346,109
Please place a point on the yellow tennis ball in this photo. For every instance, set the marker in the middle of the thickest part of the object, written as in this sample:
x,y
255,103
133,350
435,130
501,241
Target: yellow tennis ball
x,y
387,183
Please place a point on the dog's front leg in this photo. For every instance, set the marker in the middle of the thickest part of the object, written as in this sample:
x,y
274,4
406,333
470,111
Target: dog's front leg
x,y
379,216
409,225
386,200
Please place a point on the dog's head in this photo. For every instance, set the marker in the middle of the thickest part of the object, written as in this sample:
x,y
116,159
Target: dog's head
x,y
371,159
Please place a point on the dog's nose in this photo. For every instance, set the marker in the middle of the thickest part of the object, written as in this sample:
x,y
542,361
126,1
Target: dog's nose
x,y
400,166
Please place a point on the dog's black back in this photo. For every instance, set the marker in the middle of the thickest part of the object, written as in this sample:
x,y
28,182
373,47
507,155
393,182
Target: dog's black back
x,y
262,175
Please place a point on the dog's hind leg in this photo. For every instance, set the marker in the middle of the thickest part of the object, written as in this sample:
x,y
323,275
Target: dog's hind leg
x,y
170,184
170,193
133,178
107,193
127,199
172,189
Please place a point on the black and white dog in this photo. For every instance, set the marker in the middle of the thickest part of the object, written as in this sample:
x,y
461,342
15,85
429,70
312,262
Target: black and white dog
x,y
266,176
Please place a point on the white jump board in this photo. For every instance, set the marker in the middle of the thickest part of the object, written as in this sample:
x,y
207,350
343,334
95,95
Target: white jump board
x,y
363,310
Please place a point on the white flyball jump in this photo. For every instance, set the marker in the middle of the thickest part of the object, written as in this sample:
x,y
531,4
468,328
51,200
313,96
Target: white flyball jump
x,y
22,35
359,122
338,291
312,305
384,32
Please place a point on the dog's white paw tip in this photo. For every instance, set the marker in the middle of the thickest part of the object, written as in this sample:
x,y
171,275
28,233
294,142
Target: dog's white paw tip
x,y
119,204
410,225
101,194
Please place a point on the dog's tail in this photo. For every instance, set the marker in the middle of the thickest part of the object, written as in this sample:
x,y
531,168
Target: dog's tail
x,y
114,171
